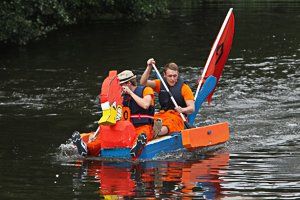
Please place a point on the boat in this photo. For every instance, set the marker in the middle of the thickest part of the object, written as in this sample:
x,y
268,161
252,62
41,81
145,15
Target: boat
x,y
186,140
115,134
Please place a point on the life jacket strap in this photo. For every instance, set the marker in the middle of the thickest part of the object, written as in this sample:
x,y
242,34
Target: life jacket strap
x,y
139,116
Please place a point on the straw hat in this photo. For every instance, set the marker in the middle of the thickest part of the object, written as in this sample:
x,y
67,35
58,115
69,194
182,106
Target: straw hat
x,y
125,76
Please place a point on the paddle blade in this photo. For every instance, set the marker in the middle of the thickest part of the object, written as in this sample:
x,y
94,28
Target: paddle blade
x,y
200,137
206,89
187,125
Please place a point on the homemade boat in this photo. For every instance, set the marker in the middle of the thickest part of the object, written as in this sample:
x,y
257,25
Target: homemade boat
x,y
116,133
189,139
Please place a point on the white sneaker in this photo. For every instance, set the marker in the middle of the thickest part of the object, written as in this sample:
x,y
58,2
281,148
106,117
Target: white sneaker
x,y
81,145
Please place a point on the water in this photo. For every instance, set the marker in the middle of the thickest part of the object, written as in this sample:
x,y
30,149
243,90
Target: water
x,y
49,88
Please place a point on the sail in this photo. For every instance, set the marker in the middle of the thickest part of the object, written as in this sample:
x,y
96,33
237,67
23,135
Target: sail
x,y
219,52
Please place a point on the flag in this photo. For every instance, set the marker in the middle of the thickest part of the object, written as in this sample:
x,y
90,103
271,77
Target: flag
x,y
220,53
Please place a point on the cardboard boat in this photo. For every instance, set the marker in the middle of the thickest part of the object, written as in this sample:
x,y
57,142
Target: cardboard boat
x,y
116,132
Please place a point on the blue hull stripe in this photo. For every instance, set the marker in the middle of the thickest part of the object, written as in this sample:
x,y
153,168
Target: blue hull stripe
x,y
169,143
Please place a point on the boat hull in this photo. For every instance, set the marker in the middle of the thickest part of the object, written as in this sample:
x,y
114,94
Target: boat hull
x,y
116,142
169,143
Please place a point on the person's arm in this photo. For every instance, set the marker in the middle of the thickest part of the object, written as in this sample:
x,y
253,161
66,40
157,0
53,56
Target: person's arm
x,y
144,102
187,110
189,100
144,79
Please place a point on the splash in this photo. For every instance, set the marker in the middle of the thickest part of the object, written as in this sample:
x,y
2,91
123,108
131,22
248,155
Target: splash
x,y
67,150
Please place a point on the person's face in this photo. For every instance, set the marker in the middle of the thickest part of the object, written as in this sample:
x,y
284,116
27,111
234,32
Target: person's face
x,y
171,76
124,84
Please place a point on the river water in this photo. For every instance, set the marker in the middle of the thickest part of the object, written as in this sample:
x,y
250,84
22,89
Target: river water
x,y
49,88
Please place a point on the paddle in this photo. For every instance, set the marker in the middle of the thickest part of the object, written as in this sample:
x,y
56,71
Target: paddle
x,y
206,89
187,125
96,134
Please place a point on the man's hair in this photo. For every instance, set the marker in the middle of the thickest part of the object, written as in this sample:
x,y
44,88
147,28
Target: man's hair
x,y
133,82
171,66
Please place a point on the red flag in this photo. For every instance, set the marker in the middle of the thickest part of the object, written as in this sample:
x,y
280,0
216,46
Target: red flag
x,y
220,53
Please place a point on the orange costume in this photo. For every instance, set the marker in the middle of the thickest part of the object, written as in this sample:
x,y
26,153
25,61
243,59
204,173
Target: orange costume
x,y
94,147
171,118
147,129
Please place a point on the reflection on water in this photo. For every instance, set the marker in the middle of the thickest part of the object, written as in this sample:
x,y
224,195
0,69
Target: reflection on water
x,y
215,176
161,179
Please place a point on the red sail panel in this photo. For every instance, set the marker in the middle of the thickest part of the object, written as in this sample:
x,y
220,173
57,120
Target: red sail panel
x,y
220,55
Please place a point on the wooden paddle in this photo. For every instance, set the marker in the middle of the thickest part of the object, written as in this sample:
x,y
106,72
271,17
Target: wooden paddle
x,y
187,125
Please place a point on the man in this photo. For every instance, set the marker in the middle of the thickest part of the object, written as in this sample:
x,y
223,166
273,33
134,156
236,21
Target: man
x,y
171,120
140,100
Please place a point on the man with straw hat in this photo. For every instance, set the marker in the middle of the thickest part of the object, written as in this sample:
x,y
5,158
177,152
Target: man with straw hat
x,y
140,101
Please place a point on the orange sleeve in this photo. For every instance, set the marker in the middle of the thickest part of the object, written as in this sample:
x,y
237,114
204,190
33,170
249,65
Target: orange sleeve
x,y
149,91
187,92
157,88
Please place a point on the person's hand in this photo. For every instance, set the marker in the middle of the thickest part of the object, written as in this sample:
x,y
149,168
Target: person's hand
x,y
179,109
126,90
150,62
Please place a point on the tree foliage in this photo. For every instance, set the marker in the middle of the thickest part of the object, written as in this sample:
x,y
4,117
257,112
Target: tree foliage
x,y
23,20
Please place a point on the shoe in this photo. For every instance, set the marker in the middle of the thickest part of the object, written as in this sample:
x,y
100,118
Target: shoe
x,y
156,128
81,145
138,146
